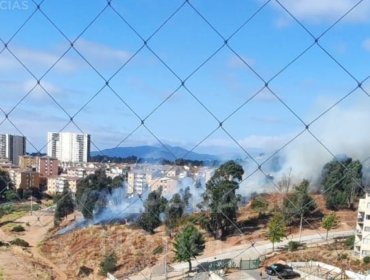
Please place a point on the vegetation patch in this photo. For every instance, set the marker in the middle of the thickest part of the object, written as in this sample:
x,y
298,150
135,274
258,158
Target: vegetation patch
x,y
20,242
158,250
108,264
18,228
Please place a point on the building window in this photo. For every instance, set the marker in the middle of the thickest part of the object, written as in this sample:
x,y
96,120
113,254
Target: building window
x,y
367,229
365,253
368,205
367,217
366,240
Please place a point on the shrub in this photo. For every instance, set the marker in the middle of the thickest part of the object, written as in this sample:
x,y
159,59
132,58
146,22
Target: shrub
x,y
18,228
108,264
85,271
366,260
20,242
293,245
350,242
158,250
343,256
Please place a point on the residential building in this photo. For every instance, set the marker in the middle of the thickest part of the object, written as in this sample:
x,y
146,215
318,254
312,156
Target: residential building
x,y
168,185
69,147
137,182
47,166
29,179
15,176
27,161
76,172
362,236
11,147
57,184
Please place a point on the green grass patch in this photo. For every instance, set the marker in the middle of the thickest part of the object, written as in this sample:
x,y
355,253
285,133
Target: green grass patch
x,y
11,212
158,250
12,217
2,277
18,228
19,242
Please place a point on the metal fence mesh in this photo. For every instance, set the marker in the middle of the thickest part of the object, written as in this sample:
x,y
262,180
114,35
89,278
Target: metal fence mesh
x,y
190,72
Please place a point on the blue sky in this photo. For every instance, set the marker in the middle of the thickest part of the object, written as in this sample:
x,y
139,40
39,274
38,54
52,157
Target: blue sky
x,y
267,43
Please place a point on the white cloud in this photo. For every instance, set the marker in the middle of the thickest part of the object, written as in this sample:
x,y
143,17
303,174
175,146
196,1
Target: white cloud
x,y
100,55
323,10
34,59
39,90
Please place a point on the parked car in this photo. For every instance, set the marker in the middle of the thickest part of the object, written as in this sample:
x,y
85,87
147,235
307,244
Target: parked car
x,y
277,268
288,274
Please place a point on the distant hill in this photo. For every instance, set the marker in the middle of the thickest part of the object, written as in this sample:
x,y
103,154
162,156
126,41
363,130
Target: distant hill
x,y
154,152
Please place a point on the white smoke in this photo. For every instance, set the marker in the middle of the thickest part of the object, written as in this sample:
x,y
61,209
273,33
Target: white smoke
x,y
119,206
343,130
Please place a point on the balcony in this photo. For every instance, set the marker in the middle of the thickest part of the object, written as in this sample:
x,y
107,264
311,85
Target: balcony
x,y
360,216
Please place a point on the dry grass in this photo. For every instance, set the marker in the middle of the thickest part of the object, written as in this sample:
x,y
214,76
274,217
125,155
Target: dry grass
x,y
133,247
335,254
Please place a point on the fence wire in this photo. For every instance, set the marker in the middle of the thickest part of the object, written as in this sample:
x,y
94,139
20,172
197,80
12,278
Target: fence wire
x,y
181,79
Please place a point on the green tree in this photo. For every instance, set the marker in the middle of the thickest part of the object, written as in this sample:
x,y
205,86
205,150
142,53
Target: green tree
x,y
5,182
117,181
90,189
189,243
341,182
329,222
65,206
108,264
259,204
276,229
11,195
154,206
299,204
220,198
186,195
174,210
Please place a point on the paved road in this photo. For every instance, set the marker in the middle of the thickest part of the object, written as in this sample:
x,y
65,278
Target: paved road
x,y
260,248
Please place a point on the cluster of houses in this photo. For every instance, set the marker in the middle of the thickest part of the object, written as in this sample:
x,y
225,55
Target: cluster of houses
x,y
51,175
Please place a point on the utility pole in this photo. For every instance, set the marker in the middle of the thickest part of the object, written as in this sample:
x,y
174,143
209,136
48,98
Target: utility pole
x,y
31,204
165,260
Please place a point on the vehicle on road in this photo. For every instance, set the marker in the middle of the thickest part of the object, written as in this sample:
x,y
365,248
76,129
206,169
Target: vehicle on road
x,y
277,268
288,274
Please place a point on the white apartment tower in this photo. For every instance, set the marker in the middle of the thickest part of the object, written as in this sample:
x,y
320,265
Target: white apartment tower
x,y
136,182
11,147
362,236
68,146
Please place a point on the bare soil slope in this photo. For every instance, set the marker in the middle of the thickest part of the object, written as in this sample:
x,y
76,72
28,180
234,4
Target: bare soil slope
x,y
87,247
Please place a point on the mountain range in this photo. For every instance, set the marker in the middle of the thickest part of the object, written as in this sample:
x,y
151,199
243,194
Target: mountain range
x,y
154,152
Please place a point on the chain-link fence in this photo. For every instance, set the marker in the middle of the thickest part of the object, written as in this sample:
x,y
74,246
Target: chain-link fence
x,y
280,85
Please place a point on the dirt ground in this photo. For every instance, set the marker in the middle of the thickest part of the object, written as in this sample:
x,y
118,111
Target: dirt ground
x,y
17,263
61,257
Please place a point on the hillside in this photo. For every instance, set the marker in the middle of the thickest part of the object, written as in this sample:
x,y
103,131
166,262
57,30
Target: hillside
x,y
136,249
154,152
87,248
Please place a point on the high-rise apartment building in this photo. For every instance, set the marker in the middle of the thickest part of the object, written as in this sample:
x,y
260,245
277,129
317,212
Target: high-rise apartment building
x,y
69,147
136,182
362,236
11,147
